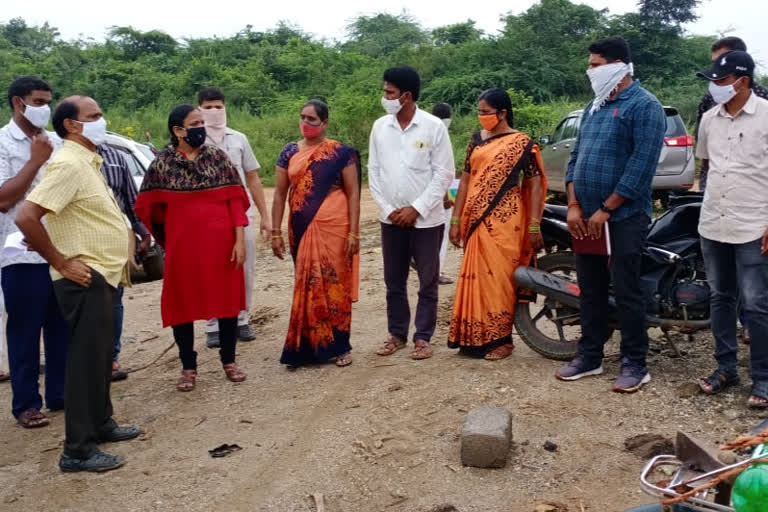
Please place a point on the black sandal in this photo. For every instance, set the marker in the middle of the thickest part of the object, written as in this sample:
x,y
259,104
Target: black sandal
x,y
717,382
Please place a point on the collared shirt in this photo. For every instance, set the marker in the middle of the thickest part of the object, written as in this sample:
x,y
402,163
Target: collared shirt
x,y
617,151
735,208
411,167
118,175
85,221
237,147
15,151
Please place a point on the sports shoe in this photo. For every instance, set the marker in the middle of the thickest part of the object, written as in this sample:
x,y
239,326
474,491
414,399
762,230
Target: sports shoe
x,y
577,369
632,377
99,462
245,333
212,341
122,433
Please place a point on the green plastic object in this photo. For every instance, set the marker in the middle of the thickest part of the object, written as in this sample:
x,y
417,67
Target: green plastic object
x,y
750,491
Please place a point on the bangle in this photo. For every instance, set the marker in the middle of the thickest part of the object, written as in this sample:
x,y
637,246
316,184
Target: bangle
x,y
356,236
455,221
534,229
277,232
277,237
573,203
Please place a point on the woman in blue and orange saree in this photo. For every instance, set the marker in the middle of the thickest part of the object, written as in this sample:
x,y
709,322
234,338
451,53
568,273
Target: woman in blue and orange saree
x,y
321,180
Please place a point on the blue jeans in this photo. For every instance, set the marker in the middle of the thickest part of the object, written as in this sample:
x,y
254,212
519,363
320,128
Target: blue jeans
x,y
32,307
623,269
118,321
733,271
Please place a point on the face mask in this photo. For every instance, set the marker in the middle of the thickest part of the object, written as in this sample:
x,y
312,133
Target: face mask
x,y
605,79
722,94
37,116
392,107
195,136
489,121
95,131
311,131
214,117
447,122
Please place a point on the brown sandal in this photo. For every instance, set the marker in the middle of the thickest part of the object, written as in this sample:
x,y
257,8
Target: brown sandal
x,y
4,376
391,346
344,360
187,380
500,353
234,373
33,418
423,350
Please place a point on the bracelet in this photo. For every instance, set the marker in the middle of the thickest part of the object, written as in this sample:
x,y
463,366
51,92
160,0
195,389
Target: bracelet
x,y
573,203
455,221
534,229
277,237
356,236
277,232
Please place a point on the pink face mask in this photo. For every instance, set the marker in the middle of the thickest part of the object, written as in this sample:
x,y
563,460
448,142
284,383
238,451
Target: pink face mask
x,y
310,131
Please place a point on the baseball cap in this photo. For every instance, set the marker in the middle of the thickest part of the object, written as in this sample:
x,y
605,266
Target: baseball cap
x,y
731,63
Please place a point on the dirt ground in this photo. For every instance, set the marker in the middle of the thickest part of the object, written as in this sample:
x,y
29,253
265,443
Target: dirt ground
x,y
378,436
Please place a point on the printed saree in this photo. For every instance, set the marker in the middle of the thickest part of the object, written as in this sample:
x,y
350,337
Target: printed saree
x,y
494,224
327,279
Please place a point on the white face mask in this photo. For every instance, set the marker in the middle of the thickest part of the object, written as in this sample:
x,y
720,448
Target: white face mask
x,y
447,122
722,94
392,107
95,131
37,116
605,79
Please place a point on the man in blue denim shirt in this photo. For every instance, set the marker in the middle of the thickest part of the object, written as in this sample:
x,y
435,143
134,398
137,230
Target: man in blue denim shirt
x,y
609,180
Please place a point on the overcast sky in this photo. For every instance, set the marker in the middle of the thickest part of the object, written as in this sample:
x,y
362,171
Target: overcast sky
x,y
90,18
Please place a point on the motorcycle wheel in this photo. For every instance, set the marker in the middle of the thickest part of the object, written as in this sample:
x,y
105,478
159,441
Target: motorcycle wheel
x,y
548,327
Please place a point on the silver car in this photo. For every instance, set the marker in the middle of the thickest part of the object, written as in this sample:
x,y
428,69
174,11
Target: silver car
x,y
675,172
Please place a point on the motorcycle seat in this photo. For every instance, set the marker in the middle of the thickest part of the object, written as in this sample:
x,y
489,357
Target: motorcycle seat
x,y
556,211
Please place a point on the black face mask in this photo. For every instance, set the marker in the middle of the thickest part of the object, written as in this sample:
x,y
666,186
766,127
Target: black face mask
x,y
195,136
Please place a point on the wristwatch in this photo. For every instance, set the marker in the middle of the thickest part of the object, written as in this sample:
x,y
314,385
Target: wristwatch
x,y
604,208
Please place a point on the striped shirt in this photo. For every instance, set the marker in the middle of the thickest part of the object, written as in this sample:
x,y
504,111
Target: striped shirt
x,y
617,151
85,221
118,176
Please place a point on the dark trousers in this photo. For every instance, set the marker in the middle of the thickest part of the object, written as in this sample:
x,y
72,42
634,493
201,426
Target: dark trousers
x,y
623,268
184,334
399,247
118,322
733,271
32,308
90,315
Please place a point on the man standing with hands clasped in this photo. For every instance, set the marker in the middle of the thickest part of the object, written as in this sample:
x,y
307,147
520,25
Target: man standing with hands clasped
x,y
733,136
609,182
410,167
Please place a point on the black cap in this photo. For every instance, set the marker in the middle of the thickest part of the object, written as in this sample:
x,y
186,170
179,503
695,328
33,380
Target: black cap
x,y
731,63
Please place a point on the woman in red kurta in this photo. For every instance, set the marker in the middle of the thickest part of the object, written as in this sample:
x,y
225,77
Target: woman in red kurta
x,y
194,203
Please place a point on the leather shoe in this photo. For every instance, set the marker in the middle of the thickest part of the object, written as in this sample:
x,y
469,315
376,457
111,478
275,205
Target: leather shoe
x,y
123,433
99,462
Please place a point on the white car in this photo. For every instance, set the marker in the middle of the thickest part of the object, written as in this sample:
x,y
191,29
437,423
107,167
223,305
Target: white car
x,y
138,157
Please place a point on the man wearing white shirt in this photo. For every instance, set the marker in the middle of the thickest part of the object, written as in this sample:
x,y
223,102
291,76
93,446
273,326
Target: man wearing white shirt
x,y
30,301
410,167
733,226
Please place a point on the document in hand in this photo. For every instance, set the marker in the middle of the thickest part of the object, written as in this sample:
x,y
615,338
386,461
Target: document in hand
x,y
596,246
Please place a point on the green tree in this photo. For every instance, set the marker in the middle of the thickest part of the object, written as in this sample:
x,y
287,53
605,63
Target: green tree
x,y
382,34
457,33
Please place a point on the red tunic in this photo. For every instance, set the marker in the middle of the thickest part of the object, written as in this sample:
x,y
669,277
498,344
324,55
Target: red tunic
x,y
200,280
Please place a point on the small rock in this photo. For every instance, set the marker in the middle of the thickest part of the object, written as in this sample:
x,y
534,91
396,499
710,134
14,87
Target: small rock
x,y
728,457
688,390
444,508
550,446
395,387
486,437
732,414
378,444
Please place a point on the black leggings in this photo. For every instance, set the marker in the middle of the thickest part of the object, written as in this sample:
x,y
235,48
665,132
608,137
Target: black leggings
x,y
184,335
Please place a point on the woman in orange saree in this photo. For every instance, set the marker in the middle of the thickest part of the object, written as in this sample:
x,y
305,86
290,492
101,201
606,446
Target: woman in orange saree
x,y
496,218
321,178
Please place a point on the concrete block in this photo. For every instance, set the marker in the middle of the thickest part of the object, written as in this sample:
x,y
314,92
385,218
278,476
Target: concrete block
x,y
486,437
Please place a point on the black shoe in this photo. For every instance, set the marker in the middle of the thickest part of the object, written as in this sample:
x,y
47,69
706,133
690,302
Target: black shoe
x,y
117,434
245,333
99,462
213,340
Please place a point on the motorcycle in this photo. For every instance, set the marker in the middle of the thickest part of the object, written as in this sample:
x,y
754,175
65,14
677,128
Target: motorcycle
x,y
547,316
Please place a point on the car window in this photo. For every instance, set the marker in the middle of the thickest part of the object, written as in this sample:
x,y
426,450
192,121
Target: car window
x,y
571,128
558,135
675,126
146,151
133,165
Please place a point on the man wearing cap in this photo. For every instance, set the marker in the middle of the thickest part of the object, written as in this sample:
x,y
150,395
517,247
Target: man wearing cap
x,y
733,136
